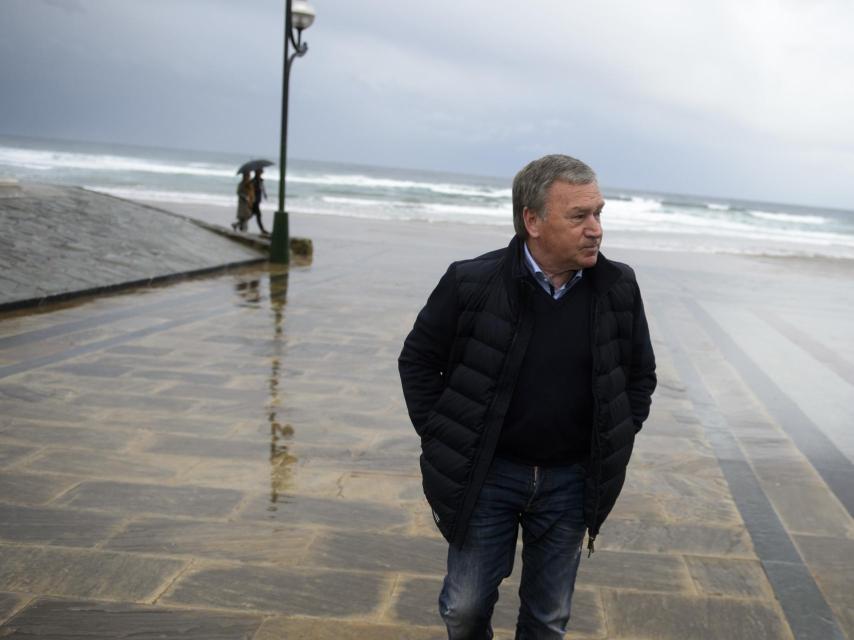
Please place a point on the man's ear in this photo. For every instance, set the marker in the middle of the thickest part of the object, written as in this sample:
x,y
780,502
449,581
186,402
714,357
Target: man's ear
x,y
532,222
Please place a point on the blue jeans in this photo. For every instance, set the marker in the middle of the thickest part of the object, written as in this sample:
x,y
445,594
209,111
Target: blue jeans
x,y
548,503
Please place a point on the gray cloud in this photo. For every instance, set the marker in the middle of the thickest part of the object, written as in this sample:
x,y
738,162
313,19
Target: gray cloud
x,y
731,98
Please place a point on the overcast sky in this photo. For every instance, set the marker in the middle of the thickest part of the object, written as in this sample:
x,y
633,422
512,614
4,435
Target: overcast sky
x,y
740,98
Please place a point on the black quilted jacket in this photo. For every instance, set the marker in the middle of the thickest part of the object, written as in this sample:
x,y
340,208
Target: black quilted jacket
x,y
459,366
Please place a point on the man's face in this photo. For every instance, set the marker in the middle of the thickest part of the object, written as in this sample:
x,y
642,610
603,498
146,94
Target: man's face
x,y
570,234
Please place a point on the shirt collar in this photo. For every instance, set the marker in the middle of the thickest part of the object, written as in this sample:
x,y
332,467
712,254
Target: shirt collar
x,y
541,277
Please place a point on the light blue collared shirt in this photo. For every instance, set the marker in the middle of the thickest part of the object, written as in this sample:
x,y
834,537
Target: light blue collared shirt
x,y
543,280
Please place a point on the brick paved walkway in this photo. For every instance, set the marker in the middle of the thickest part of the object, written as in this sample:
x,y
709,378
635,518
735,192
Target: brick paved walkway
x,y
229,457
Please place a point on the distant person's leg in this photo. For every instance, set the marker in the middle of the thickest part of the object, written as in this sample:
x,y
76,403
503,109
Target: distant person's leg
x,y
257,213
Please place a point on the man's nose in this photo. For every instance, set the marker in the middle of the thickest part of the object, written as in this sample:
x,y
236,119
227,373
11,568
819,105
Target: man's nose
x,y
594,228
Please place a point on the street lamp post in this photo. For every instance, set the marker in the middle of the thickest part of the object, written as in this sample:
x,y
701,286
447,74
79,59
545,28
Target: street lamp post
x,y
298,16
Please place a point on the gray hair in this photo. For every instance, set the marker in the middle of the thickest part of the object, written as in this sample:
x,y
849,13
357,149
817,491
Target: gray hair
x,y
532,182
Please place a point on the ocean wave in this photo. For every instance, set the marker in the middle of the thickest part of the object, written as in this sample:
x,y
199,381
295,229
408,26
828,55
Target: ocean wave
x,y
412,215
709,246
38,160
360,202
425,210
504,212
788,217
367,182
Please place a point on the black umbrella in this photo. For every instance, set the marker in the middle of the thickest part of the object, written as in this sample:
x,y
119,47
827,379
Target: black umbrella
x,y
252,165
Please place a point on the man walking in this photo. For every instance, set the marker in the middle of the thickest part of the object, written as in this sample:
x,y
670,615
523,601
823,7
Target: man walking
x,y
527,375
260,193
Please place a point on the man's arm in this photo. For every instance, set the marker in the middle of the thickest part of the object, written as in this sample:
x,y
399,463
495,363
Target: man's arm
x,y
426,350
642,379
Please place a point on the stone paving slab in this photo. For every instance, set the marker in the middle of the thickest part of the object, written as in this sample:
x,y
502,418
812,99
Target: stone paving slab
x,y
302,510
67,436
74,619
84,573
319,629
84,463
243,542
9,603
68,239
10,453
679,538
629,570
280,590
190,501
729,577
643,616
49,525
32,489
379,552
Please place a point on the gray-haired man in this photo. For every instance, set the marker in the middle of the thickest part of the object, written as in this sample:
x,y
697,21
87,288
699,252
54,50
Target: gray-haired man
x,y
527,375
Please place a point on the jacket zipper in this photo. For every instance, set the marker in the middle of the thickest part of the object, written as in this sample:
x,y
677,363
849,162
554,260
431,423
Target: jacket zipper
x,y
597,460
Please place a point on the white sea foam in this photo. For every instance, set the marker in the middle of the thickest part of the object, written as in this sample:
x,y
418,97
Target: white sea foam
x,y
367,182
424,211
788,217
358,202
49,160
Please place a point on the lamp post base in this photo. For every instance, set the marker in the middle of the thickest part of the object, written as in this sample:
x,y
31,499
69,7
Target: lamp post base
x,y
280,240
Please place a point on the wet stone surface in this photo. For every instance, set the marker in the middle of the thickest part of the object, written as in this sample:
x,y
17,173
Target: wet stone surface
x,y
9,603
728,577
47,525
379,552
678,538
292,591
10,453
67,436
31,489
245,542
318,629
72,619
85,573
138,498
330,512
231,455
64,234
642,615
628,570
103,465
206,447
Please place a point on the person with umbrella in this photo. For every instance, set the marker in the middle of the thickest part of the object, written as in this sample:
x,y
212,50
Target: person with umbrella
x,y
249,194
245,200
259,192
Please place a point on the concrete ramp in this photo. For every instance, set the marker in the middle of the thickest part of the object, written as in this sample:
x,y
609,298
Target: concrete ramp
x,y
59,242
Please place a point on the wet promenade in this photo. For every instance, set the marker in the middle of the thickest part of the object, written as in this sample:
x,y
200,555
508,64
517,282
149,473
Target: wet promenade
x,y
229,456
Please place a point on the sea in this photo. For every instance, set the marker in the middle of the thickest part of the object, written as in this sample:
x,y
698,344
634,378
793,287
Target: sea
x,y
631,219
